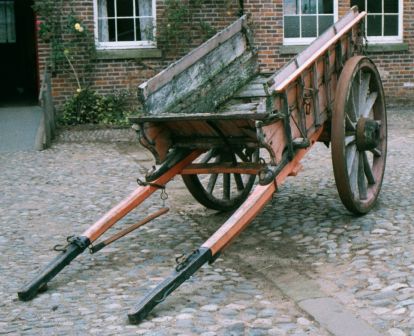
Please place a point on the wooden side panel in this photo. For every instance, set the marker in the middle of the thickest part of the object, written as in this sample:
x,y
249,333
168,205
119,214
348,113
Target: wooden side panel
x,y
208,82
162,78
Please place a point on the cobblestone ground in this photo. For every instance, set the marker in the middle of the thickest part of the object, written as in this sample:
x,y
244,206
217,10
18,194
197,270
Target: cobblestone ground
x,y
364,262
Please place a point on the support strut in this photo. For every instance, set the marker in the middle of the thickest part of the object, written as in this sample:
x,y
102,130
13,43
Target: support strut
x,y
78,244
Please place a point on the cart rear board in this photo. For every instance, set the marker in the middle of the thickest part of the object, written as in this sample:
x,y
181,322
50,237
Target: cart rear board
x,y
213,118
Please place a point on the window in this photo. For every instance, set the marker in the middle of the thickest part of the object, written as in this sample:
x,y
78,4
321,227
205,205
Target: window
x,y
306,19
7,22
384,20
124,23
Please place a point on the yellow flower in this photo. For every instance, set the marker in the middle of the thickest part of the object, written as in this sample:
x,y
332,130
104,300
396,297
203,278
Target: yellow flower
x,y
78,90
66,52
77,26
80,30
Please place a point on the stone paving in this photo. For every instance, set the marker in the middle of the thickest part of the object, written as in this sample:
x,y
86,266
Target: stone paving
x,y
366,263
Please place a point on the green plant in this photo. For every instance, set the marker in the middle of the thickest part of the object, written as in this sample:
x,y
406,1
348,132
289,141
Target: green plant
x,y
89,107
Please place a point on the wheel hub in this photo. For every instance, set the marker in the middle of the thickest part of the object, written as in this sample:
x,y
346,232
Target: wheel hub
x,y
367,134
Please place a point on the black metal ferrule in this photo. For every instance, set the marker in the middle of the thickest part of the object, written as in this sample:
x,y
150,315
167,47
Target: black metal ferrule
x,y
165,288
97,247
76,247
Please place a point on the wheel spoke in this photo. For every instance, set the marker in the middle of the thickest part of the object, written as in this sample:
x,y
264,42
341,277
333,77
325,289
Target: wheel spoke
x,y
353,174
377,152
211,183
368,170
239,182
349,140
355,97
369,104
363,92
242,156
349,124
350,156
362,186
226,186
208,156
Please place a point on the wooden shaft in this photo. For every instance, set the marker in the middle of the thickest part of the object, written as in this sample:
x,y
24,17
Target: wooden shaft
x,y
222,168
134,199
135,226
254,204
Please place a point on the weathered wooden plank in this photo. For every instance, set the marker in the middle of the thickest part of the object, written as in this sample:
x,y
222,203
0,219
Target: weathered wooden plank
x,y
196,76
210,142
251,93
191,58
199,116
203,89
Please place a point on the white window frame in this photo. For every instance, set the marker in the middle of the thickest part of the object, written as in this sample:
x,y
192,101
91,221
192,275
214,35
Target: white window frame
x,y
124,44
306,40
9,36
387,39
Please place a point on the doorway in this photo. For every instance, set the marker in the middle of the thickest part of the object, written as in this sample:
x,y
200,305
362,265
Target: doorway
x,y
18,63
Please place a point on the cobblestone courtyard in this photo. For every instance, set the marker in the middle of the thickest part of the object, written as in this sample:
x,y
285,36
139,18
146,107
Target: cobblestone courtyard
x,y
364,263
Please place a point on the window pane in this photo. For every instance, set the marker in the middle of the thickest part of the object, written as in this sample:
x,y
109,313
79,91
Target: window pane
x,y
126,30
309,26
290,7
374,6
145,29
292,26
325,6
390,25
143,7
359,3
111,30
106,8
124,8
390,6
308,6
374,25
325,22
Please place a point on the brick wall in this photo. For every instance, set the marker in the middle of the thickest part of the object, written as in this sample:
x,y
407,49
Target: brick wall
x,y
117,74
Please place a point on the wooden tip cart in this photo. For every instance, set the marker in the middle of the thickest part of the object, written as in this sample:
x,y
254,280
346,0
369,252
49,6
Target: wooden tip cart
x,y
214,119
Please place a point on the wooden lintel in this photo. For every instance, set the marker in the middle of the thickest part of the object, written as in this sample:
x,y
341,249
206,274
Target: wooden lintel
x,y
222,168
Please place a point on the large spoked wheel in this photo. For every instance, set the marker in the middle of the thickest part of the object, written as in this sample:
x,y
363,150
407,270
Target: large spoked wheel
x,y
223,191
359,135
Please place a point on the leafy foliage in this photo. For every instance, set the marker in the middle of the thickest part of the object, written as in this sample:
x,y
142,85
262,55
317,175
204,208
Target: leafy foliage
x,y
90,107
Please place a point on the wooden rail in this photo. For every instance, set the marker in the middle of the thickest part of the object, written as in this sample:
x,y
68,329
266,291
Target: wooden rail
x,y
305,59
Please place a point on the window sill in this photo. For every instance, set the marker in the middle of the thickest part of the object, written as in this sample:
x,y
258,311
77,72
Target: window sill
x,y
117,54
387,47
372,48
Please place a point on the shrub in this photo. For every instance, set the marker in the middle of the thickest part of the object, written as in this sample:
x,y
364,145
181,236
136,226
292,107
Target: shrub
x,y
90,107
